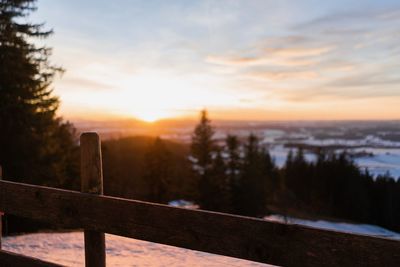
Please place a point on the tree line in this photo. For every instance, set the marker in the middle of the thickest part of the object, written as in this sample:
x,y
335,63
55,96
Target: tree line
x,y
242,178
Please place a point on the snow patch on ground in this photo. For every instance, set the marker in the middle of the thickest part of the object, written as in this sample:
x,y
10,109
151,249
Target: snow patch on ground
x,y
68,249
364,229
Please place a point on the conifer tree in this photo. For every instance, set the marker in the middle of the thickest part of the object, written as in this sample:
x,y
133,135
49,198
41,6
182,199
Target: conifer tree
x,y
233,170
233,161
202,142
218,191
35,145
202,149
253,179
157,170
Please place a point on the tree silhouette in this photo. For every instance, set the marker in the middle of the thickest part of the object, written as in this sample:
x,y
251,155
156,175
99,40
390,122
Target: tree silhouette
x,y
35,145
233,170
202,142
157,170
202,149
252,185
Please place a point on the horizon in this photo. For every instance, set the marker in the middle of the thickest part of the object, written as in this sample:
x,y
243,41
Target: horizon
x,y
257,61
194,120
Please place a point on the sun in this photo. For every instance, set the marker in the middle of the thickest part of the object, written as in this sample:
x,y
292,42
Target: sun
x,y
150,115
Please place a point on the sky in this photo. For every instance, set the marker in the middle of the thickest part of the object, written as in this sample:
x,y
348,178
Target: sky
x,y
242,60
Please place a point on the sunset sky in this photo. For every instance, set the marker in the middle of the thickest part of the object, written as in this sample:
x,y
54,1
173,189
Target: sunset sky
x,y
254,60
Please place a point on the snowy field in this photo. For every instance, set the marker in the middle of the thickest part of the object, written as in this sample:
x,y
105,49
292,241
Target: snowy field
x,y
67,248
363,229
371,151
382,160
375,154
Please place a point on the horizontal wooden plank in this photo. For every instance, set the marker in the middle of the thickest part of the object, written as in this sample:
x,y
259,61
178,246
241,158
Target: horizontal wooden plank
x,y
10,259
236,236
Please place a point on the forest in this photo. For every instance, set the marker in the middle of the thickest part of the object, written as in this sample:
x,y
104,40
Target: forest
x,y
242,178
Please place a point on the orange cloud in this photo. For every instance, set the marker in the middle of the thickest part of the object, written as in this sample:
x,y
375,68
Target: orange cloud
x,y
282,75
256,61
298,51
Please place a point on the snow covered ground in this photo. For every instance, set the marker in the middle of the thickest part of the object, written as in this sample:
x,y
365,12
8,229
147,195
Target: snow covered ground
x,y
68,249
364,229
382,160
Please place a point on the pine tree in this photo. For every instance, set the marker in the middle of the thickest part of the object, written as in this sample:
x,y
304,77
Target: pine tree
x,y
34,144
157,170
252,193
272,181
202,149
218,191
233,161
202,142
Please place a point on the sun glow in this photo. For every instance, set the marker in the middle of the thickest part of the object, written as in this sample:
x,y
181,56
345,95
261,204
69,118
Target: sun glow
x,y
152,95
150,115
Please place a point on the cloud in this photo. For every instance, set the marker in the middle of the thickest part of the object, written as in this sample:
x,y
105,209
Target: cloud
x,y
290,52
79,82
236,61
262,60
285,75
344,55
337,66
353,18
366,79
287,51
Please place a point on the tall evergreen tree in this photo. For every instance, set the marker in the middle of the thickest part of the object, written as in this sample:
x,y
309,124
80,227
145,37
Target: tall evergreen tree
x,y
35,145
202,149
157,170
298,175
233,169
253,179
218,191
233,160
272,181
202,142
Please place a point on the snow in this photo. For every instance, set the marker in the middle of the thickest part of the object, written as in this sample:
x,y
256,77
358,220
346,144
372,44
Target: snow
x,y
369,140
68,249
279,154
383,160
364,229
183,204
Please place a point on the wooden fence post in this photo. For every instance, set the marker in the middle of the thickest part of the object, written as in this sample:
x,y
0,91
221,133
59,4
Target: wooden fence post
x,y
92,182
1,213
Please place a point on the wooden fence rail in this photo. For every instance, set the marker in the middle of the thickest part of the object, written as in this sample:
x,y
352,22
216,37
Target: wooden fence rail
x,y
229,235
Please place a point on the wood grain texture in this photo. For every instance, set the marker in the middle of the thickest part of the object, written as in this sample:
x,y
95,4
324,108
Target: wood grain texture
x,y
91,165
236,236
10,259
92,182
1,219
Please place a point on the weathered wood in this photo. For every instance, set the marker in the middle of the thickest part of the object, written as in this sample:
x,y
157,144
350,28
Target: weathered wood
x,y
92,182
91,165
10,259
236,236
1,213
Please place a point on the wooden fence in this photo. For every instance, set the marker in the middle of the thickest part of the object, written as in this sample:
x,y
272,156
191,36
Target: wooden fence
x,y
236,236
